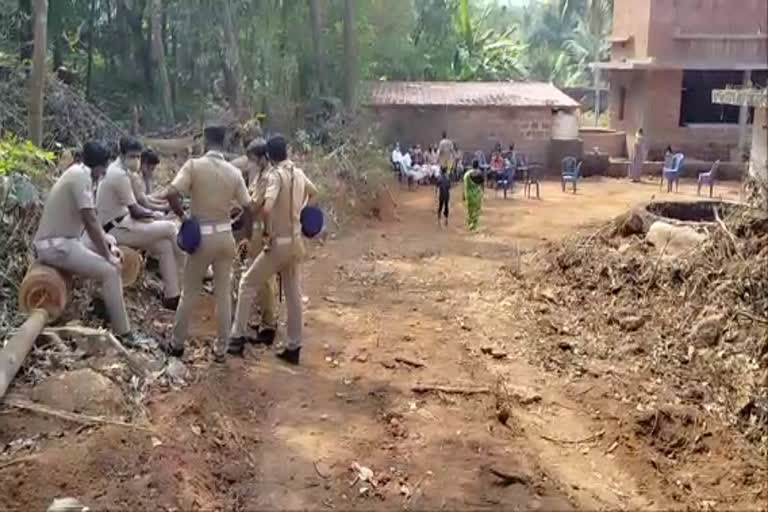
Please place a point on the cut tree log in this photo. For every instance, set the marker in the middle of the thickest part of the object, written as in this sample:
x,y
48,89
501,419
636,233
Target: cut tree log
x,y
133,264
43,287
17,348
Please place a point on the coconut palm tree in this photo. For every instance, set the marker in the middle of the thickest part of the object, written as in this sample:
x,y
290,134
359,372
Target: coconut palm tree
x,y
589,42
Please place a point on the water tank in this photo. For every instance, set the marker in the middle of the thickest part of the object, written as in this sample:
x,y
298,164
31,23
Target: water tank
x,y
565,125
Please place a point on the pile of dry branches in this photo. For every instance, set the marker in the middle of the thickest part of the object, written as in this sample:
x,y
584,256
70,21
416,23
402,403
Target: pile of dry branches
x,y
70,120
350,170
695,323
17,227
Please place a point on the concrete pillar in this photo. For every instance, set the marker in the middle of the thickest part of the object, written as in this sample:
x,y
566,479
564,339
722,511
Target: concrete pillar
x,y
744,117
758,162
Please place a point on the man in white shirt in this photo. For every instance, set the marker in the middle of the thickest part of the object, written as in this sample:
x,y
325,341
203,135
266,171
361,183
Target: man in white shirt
x,y
397,156
133,225
68,211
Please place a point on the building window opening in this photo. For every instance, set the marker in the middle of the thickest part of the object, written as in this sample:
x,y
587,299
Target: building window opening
x,y
696,105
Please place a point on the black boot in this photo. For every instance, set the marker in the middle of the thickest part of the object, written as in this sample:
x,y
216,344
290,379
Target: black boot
x,y
237,346
128,340
290,356
174,351
266,337
171,303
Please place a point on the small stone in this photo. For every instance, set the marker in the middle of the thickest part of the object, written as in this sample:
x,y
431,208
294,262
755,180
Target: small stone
x,y
503,415
67,505
81,391
706,333
631,323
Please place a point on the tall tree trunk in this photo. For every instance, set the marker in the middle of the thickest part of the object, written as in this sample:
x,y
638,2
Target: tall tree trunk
x,y
89,71
37,77
25,30
316,14
350,53
158,58
231,53
59,46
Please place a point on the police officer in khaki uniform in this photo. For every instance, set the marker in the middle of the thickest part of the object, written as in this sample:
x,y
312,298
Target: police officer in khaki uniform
x,y
287,191
132,225
69,210
212,184
141,183
254,167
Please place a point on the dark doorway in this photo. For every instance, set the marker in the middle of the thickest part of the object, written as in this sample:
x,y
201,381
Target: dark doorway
x,y
696,105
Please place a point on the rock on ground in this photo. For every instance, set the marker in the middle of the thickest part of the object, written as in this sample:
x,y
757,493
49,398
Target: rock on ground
x,y
707,331
81,391
674,240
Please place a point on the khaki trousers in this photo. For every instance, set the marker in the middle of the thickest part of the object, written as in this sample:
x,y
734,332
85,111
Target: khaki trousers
x,y
280,259
266,293
158,238
72,256
217,250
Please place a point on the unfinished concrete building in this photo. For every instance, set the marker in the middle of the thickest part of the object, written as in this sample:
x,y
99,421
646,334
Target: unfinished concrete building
x,y
667,58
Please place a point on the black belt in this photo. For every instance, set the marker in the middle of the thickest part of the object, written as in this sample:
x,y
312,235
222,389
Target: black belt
x,y
109,226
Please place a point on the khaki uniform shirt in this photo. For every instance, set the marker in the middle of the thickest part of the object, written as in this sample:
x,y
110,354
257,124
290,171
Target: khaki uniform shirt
x,y
115,193
284,214
138,187
72,192
445,152
212,184
247,167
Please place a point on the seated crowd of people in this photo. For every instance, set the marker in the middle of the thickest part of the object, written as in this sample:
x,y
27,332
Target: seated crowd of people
x,y
419,167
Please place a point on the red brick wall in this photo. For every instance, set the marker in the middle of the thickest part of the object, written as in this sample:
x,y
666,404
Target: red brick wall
x,y
631,18
609,142
471,128
709,17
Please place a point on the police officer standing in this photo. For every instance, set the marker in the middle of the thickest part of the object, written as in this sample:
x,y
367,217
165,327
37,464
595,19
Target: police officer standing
x,y
287,190
255,168
212,185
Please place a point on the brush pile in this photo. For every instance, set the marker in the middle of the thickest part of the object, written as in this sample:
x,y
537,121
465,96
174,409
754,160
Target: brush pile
x,y
69,121
686,329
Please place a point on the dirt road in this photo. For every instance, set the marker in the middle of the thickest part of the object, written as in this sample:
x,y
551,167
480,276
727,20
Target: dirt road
x,y
393,308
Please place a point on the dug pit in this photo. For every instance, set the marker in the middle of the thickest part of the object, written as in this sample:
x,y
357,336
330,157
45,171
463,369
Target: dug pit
x,y
696,211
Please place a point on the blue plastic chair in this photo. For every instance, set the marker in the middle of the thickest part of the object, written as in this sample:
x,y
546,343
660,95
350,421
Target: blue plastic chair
x,y
672,174
570,172
533,174
506,181
708,178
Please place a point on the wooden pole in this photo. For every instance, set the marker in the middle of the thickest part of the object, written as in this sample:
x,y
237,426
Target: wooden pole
x,y
17,348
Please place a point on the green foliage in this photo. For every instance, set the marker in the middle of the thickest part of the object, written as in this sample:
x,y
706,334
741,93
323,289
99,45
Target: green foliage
x,y
22,157
552,40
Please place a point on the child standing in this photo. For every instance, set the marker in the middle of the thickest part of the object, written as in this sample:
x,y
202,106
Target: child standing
x,y
443,190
